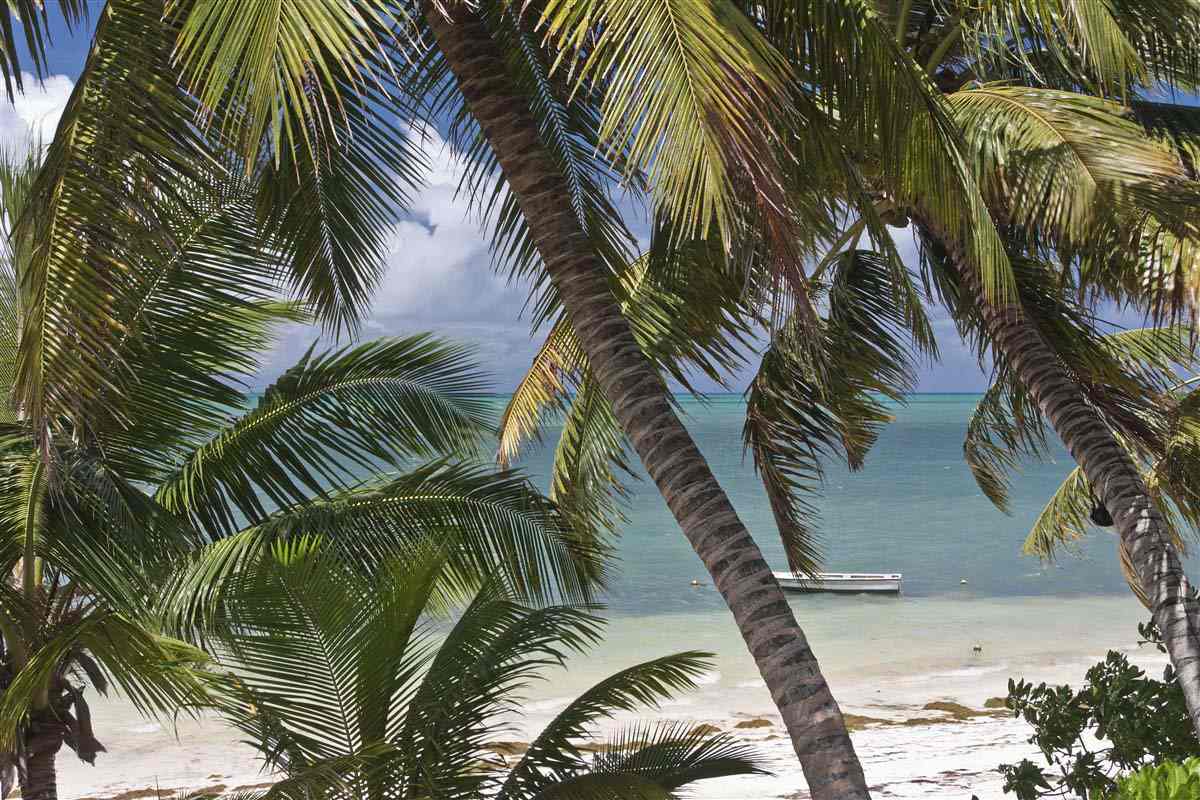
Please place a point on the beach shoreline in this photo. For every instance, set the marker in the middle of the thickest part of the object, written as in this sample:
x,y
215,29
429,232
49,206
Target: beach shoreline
x,y
886,663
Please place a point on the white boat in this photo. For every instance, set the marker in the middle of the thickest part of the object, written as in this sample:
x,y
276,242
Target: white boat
x,y
842,582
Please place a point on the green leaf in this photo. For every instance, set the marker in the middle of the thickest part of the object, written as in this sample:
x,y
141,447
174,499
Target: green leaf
x,y
331,414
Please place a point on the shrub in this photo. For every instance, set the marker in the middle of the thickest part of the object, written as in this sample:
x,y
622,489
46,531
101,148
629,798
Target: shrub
x,y
1134,719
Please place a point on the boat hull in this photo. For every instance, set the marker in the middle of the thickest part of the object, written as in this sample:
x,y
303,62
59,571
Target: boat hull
x,y
849,582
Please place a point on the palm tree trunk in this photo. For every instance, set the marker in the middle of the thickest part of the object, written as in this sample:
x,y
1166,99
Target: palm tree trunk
x,y
1108,468
642,405
36,773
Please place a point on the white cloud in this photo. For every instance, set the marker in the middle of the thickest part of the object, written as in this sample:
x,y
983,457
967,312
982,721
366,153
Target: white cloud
x,y
34,114
440,278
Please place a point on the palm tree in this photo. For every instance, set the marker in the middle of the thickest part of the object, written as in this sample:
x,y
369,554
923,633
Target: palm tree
x,y
1072,161
94,519
686,102
386,683
1066,167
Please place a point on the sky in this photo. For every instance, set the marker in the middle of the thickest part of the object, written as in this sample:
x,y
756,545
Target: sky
x,y
439,274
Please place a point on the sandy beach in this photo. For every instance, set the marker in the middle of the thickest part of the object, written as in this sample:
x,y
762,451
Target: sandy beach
x,y
904,672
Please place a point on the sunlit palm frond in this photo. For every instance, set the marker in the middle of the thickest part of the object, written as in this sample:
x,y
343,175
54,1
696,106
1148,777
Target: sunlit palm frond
x,y
589,461
274,64
489,525
1061,163
1086,40
688,315
1064,519
690,92
1153,355
544,387
357,407
22,512
109,200
889,118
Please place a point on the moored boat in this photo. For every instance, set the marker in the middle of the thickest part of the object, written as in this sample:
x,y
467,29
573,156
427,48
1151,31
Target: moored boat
x,y
842,582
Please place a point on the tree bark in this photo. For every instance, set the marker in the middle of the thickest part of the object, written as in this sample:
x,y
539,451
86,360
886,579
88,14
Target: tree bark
x,y
641,403
1109,469
36,773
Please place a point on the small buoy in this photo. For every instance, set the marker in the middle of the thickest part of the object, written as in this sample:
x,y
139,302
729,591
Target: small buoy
x,y
963,581
695,582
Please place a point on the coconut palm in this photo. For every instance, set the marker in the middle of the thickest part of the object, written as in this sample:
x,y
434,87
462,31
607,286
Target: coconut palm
x,y
386,682
686,103
1107,187
362,444
1073,162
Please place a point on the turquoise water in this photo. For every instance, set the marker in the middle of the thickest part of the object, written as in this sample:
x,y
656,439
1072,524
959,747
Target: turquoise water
x,y
914,508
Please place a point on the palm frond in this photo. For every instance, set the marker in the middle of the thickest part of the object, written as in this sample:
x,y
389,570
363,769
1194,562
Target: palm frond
x,y
481,668
378,402
1086,40
1175,123
879,109
1005,427
156,674
316,97
588,463
688,315
1061,163
673,756
1064,519
106,535
553,756
691,90
1159,31
488,525
816,397
543,388
569,128
109,200
31,20
304,674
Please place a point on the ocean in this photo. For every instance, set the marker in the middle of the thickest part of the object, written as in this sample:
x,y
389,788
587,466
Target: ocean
x,y
914,509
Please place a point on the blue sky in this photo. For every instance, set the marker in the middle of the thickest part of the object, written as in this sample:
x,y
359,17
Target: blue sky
x,y
439,275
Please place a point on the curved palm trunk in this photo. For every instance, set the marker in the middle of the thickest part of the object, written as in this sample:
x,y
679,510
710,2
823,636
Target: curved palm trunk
x,y
641,404
36,773
1108,468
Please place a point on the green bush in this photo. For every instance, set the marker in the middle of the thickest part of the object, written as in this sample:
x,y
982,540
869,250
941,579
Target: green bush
x,y
1136,720
1167,781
